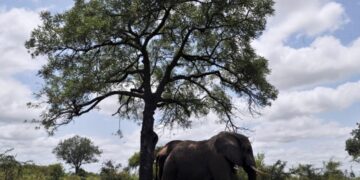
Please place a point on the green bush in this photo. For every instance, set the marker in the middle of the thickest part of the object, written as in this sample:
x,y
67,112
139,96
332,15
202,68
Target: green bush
x,y
278,171
10,168
111,171
56,171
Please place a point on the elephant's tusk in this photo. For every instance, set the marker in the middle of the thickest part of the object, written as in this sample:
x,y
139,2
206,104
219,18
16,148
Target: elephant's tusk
x,y
258,171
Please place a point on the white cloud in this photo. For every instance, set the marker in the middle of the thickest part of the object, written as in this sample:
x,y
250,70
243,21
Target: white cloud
x,y
325,60
13,55
308,102
14,97
305,127
110,105
15,59
28,143
19,131
313,152
16,27
307,17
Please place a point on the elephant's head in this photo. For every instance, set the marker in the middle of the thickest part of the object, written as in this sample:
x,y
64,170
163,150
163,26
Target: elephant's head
x,y
236,148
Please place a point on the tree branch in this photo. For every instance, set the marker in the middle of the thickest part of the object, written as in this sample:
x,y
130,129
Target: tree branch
x,y
174,101
105,43
173,63
226,109
126,74
100,98
201,75
158,28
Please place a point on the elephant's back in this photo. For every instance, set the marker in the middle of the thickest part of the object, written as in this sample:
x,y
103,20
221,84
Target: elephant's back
x,y
199,148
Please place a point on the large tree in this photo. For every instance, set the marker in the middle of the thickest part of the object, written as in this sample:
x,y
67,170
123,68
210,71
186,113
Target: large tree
x,y
77,151
183,58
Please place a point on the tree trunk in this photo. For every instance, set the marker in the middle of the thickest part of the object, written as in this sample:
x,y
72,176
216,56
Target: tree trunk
x,y
77,170
148,140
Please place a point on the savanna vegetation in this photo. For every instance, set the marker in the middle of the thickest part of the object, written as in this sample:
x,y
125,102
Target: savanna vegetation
x,y
330,170
11,169
79,150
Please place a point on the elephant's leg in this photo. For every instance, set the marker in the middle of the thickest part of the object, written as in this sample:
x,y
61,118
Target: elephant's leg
x,y
169,170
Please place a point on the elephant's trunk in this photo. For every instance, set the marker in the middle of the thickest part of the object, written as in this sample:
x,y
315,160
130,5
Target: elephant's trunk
x,y
251,172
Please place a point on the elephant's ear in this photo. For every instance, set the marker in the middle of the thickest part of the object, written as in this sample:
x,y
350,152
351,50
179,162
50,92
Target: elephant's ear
x,y
229,147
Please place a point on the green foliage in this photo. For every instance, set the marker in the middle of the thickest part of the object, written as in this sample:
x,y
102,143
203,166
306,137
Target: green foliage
x,y
353,144
278,171
134,161
53,172
306,172
77,151
275,171
125,175
260,161
56,171
75,177
183,57
10,168
332,171
110,171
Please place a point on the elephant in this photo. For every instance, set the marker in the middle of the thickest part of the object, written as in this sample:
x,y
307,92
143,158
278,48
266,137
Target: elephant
x,y
212,159
161,156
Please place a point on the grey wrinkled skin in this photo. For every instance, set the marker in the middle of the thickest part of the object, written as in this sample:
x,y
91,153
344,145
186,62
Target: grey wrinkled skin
x,y
213,159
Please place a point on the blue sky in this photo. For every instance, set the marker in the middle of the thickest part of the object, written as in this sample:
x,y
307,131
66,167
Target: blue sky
x,y
313,48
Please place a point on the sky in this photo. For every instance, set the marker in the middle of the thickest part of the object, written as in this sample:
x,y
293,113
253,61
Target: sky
x,y
313,48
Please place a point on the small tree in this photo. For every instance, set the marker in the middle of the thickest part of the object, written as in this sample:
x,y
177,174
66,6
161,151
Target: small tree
x,y
332,170
353,144
77,151
110,171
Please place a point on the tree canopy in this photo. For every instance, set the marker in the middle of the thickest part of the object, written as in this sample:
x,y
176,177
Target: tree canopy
x,y
77,151
353,144
183,58
189,54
